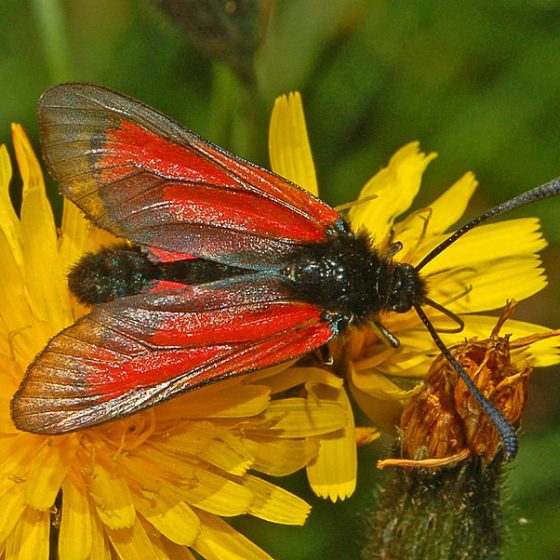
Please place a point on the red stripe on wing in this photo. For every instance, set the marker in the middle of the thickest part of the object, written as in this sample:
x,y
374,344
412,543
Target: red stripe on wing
x,y
135,352
140,175
202,186
193,340
129,144
164,286
162,256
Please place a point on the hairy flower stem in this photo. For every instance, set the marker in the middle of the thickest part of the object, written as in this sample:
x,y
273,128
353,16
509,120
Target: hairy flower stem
x,y
448,513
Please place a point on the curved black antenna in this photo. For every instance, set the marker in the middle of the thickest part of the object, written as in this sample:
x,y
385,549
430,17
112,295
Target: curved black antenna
x,y
507,432
552,188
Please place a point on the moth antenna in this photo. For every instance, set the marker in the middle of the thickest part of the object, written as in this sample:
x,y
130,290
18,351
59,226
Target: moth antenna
x,y
552,188
507,432
460,323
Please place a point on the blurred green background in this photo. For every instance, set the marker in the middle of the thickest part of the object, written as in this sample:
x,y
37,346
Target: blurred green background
x,y
478,82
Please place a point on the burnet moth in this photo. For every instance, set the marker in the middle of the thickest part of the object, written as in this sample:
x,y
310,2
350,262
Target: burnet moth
x,y
233,268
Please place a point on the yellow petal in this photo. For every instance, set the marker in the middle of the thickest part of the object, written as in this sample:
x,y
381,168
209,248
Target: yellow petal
x,y
289,418
294,376
111,495
75,237
395,187
47,471
218,401
16,312
384,413
488,243
12,375
45,281
380,386
487,266
448,208
169,515
496,283
200,487
171,551
332,474
13,506
381,399
212,443
100,547
30,537
289,149
17,454
9,223
437,218
218,541
79,236
231,456
280,457
411,359
132,542
75,537
275,504
215,494
366,434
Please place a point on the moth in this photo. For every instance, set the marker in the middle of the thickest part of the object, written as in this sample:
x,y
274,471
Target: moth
x,y
232,268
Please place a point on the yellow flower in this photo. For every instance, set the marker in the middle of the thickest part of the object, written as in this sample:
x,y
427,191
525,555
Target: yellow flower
x,y
486,267
156,484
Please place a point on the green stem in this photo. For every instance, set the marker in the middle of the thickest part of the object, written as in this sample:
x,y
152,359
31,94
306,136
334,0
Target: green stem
x,y
236,115
438,514
50,18
222,103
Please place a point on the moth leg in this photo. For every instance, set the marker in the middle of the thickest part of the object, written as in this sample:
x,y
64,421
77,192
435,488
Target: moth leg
x,y
389,337
425,215
394,248
325,355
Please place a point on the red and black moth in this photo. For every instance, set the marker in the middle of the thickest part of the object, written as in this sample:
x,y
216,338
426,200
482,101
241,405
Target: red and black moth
x,y
234,268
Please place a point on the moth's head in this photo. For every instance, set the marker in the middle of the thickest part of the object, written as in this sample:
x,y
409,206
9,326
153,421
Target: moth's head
x,y
408,288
